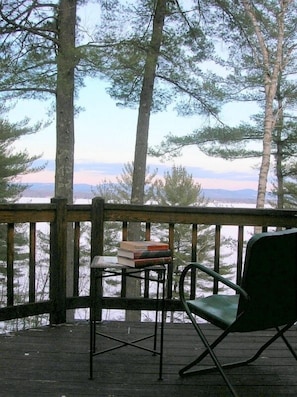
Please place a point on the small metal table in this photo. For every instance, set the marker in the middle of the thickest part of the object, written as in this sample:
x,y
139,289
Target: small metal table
x,y
107,266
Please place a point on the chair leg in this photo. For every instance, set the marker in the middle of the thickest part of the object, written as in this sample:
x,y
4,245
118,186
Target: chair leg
x,y
289,346
185,371
280,333
209,350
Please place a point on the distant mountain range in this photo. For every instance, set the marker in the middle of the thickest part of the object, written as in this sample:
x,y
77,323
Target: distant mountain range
x,y
84,191
240,196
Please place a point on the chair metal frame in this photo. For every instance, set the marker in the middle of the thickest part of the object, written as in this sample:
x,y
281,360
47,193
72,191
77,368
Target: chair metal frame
x,y
277,249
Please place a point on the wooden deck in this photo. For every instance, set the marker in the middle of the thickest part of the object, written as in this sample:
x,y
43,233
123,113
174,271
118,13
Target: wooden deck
x,y
54,361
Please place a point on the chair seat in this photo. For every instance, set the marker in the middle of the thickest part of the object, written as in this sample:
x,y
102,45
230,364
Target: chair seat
x,y
220,310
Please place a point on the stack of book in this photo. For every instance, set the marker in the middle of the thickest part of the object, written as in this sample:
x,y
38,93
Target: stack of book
x,y
143,253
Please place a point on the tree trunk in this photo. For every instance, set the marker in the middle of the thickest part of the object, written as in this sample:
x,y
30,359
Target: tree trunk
x,y
145,104
65,121
266,154
65,100
141,145
280,152
272,64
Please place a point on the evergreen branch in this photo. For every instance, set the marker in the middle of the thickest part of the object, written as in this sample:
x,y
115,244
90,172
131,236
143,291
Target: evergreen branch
x,y
207,108
13,26
28,89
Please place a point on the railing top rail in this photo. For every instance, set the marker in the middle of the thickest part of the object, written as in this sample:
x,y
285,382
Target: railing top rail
x,y
152,213
18,213
202,215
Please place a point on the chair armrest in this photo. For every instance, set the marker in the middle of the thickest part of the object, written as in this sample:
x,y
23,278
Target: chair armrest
x,y
214,275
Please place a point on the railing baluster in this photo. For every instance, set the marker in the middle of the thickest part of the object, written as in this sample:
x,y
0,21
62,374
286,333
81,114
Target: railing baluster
x,y
146,284
194,243
217,256
123,284
123,276
147,231
76,256
239,254
125,231
170,266
147,273
32,262
193,259
10,262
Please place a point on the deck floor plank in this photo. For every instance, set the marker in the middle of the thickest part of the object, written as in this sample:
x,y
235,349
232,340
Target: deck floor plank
x,y
54,361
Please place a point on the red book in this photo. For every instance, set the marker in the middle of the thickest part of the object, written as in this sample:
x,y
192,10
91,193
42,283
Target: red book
x,y
143,245
140,254
144,262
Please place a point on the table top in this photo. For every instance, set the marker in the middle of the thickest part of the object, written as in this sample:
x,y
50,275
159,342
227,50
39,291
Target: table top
x,y
104,262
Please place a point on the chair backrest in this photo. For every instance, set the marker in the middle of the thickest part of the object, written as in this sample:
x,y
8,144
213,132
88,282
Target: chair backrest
x,y
270,279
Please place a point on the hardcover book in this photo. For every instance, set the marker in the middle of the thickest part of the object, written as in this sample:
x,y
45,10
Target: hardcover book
x,y
144,262
140,254
143,245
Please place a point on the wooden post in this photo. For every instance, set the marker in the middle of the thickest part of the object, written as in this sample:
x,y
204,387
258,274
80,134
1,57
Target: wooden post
x,y
97,246
58,261
97,227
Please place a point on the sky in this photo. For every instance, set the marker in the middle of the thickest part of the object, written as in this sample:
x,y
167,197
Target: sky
x,y
105,140
105,137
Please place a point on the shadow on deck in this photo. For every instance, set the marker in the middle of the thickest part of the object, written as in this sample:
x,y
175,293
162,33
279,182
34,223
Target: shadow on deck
x,y
54,361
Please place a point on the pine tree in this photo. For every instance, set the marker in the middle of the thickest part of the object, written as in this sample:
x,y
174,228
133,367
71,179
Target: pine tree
x,y
155,62
43,57
179,189
120,192
258,63
14,164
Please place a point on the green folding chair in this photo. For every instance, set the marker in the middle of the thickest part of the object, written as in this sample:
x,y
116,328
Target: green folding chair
x,y
266,298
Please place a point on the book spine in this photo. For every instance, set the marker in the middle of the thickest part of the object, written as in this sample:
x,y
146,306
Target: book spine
x,y
144,262
152,261
148,246
157,247
140,254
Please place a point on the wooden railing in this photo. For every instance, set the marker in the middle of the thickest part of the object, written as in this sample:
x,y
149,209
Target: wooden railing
x,y
65,237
